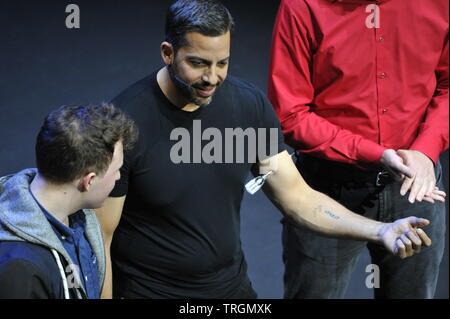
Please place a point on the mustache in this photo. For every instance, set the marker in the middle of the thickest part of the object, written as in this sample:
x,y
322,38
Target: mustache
x,y
205,85
200,86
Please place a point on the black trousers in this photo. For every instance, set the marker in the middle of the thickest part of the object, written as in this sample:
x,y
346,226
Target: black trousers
x,y
320,267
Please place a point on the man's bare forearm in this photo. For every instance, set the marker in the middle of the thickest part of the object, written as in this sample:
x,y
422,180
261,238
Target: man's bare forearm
x,y
322,214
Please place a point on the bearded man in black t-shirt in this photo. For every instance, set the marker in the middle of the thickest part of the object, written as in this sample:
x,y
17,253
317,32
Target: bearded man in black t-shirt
x,y
175,211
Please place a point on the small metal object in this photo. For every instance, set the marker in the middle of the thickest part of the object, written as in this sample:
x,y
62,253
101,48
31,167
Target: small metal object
x,y
380,175
255,184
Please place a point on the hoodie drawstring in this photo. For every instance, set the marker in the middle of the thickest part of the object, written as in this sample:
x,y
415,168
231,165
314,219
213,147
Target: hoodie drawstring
x,y
62,273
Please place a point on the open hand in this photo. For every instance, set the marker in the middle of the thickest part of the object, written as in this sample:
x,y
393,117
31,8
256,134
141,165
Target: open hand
x,y
422,184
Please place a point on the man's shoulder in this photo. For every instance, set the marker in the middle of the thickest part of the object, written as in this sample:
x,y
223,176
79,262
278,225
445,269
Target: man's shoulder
x,y
249,101
28,271
240,83
302,11
134,93
25,253
239,86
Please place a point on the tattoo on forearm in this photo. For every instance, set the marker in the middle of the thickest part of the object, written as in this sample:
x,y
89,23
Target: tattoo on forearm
x,y
319,209
332,215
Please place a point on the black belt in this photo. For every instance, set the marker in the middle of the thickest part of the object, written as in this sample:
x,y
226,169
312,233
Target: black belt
x,y
342,172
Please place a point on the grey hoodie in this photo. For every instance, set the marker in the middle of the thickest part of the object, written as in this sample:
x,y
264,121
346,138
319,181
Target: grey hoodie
x,y
21,219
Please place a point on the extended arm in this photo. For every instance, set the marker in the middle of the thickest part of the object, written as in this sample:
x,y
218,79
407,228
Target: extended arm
x,y
309,208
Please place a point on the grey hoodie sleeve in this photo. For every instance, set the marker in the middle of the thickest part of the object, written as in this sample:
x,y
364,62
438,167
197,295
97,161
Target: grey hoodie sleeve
x,y
21,279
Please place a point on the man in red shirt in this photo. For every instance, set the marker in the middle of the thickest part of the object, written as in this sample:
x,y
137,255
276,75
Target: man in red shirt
x,y
361,90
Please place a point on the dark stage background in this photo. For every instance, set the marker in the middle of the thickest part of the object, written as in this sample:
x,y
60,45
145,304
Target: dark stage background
x,y
44,65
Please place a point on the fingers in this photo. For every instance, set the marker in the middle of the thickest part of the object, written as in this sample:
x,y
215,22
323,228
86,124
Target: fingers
x,y
438,192
428,199
400,249
409,239
406,186
415,240
421,193
422,180
436,195
424,237
417,222
408,245
399,171
412,243
403,170
394,163
416,187
428,185
434,198
401,165
431,187
422,189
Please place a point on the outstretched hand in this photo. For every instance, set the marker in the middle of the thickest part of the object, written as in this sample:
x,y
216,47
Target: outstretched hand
x,y
403,237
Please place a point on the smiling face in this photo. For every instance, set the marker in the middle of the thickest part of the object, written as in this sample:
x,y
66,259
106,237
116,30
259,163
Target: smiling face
x,y
199,68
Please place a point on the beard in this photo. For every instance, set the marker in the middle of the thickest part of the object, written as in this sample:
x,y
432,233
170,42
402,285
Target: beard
x,y
188,91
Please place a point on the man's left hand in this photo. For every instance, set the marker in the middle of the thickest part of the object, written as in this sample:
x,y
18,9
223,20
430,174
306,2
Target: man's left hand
x,y
423,182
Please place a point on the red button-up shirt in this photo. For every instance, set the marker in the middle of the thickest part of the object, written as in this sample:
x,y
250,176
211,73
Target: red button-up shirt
x,y
352,78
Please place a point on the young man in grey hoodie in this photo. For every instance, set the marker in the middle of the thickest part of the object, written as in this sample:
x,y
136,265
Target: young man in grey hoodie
x,y
50,240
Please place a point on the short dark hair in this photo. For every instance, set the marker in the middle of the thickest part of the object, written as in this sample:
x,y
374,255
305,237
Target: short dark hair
x,y
208,17
76,140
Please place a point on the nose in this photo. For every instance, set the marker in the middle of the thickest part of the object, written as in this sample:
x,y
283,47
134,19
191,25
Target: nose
x,y
211,76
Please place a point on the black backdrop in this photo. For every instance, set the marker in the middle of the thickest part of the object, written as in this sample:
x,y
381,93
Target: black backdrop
x,y
44,65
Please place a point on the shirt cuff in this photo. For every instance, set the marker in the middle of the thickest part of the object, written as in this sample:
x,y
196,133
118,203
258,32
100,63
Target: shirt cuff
x,y
370,152
431,146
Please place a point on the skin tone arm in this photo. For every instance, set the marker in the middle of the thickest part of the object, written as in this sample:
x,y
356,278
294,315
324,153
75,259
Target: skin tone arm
x,y
308,208
109,216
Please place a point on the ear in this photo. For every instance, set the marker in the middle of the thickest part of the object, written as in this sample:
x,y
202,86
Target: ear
x,y
167,53
85,182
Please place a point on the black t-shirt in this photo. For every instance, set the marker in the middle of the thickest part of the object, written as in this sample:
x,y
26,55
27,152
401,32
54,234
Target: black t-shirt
x,y
179,235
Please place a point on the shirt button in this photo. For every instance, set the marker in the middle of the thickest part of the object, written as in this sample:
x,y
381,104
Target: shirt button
x,y
382,75
86,278
385,111
381,39
63,237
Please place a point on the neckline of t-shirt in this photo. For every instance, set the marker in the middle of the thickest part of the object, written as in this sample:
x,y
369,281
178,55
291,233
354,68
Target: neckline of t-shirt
x,y
170,106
